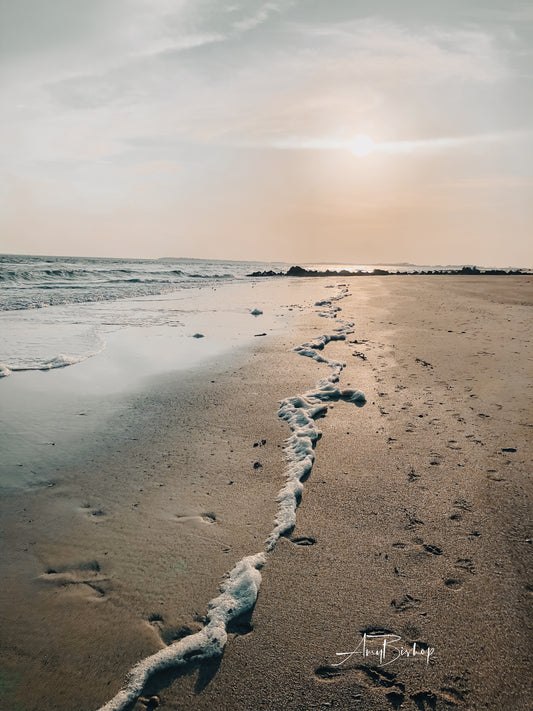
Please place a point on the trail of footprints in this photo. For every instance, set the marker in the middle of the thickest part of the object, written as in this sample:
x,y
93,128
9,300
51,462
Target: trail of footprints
x,y
453,694
374,678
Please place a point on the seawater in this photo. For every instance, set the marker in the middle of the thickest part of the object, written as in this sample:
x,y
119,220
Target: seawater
x,y
58,311
48,412
35,281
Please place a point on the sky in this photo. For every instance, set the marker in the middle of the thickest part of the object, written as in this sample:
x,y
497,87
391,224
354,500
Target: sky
x,y
224,129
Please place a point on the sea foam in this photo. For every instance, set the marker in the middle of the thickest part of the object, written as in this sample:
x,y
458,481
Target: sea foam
x,y
238,594
240,588
61,361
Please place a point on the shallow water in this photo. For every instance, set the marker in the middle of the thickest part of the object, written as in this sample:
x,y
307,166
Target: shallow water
x,y
114,348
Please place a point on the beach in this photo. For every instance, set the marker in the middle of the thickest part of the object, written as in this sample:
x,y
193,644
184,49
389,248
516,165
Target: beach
x,y
412,526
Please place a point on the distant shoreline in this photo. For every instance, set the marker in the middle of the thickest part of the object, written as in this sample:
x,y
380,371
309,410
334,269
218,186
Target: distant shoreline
x,y
468,271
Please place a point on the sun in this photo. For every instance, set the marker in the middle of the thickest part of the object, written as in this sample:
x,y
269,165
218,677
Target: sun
x,y
361,145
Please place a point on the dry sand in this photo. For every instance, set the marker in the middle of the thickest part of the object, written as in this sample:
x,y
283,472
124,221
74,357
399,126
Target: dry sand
x,y
414,521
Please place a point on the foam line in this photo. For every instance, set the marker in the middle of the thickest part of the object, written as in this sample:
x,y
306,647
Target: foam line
x,y
238,592
300,412
60,361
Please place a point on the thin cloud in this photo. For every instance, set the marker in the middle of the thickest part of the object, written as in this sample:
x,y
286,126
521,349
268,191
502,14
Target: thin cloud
x,y
430,55
259,18
398,147
444,143
181,44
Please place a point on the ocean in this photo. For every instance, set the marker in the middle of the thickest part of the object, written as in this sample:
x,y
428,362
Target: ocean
x,y
58,311
121,323
28,282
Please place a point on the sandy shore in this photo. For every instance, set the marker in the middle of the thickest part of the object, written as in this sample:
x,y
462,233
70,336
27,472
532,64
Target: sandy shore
x,y
414,521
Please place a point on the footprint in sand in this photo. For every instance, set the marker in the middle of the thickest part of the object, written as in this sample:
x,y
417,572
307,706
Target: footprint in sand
x,y
171,633
419,544
465,564
425,700
463,504
304,541
359,674
91,512
407,602
412,475
448,697
413,521
78,574
493,475
370,678
434,550
208,518
97,513
452,444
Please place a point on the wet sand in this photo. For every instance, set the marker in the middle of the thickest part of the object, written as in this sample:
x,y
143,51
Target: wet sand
x,y
414,521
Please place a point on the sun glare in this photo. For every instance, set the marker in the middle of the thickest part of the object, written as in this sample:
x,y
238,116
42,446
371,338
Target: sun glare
x,y
361,145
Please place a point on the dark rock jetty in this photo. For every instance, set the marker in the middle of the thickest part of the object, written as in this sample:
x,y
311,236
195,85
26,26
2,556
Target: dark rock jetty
x,y
470,271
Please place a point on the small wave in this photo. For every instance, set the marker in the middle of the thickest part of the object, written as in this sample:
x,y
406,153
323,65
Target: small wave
x,y
61,361
47,274
27,282
138,280
11,275
53,275
211,276
64,273
38,275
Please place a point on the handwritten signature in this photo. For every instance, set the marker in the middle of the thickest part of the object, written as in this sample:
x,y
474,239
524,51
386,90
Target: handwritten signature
x,y
385,647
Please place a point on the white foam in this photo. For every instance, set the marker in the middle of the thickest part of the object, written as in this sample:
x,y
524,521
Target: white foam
x,y
238,592
4,370
300,412
61,361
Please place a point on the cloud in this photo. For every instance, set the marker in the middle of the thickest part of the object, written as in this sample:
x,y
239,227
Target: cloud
x,y
263,14
448,142
426,145
389,52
